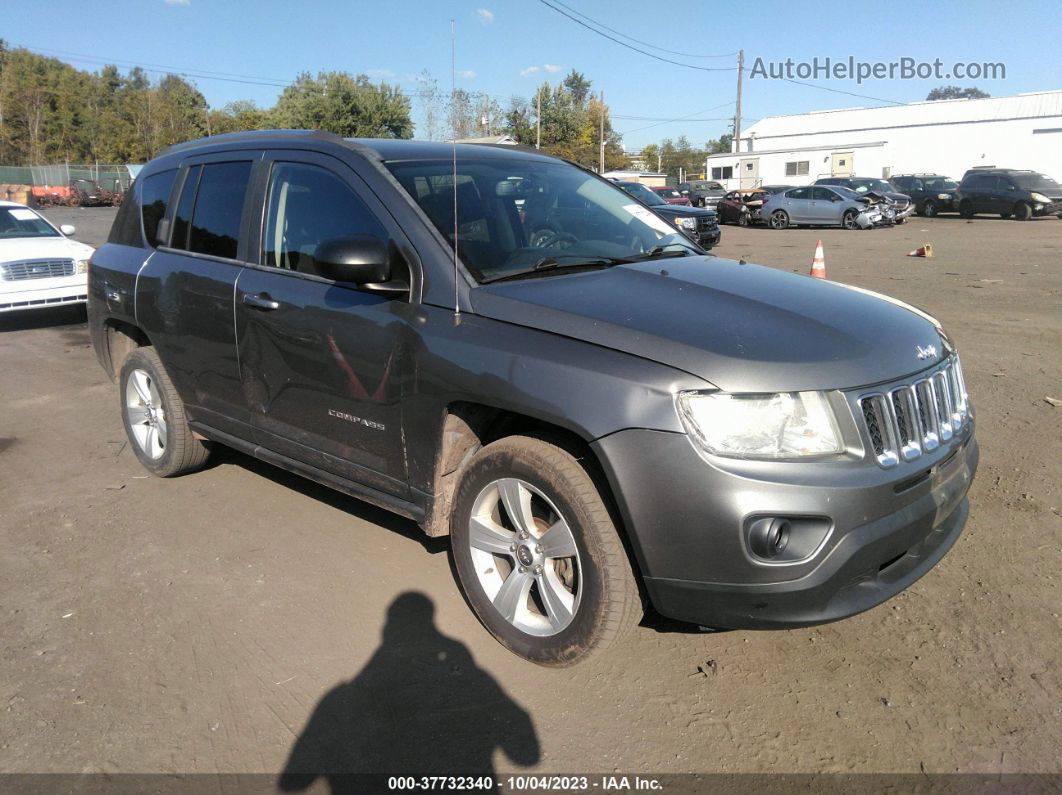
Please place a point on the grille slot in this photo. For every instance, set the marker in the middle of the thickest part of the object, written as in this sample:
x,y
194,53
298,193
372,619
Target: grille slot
x,y
916,418
36,269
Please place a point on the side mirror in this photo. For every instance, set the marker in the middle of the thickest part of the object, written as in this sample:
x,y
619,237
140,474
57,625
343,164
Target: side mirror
x,y
359,259
67,229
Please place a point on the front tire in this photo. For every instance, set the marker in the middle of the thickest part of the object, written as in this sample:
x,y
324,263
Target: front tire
x,y
966,210
1022,211
154,418
929,209
537,554
848,220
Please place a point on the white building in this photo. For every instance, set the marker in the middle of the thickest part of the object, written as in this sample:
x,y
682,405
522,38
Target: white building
x,y
944,137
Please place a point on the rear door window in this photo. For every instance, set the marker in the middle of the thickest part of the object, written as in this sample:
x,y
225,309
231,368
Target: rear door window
x,y
211,208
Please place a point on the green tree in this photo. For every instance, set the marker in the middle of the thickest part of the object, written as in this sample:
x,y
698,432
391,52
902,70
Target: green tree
x,y
720,145
345,105
954,92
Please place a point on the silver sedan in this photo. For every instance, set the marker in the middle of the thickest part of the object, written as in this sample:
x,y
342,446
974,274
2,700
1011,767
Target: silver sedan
x,y
813,205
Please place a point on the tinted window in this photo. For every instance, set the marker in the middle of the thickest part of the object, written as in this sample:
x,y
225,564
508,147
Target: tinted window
x,y
154,196
308,205
218,209
182,220
799,193
125,231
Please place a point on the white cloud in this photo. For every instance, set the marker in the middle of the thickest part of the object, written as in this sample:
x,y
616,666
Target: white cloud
x,y
486,16
178,2
529,71
467,73
552,67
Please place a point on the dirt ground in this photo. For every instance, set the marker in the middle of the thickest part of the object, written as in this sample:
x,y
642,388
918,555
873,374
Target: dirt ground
x,y
197,624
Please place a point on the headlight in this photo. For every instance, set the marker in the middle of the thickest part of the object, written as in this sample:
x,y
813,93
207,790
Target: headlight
x,y
82,266
943,196
785,425
1039,197
687,223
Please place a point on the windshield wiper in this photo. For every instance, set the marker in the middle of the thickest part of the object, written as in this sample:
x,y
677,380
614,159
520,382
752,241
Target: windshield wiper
x,y
554,265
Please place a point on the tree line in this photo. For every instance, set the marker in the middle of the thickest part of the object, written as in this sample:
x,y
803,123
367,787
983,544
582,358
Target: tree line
x,y
52,112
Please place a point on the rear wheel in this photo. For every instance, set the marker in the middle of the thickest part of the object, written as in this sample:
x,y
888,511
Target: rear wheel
x,y
154,418
1022,211
779,220
537,554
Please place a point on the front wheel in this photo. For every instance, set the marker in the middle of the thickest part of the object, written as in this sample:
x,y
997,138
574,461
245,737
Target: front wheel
x,y
537,554
154,418
849,219
966,209
929,209
1022,211
743,219
779,219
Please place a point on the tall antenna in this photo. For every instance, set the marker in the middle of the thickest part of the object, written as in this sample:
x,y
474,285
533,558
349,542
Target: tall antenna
x,y
453,131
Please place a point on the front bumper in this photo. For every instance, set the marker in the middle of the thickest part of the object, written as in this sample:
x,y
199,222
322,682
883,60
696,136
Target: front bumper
x,y
709,237
685,519
62,290
1054,207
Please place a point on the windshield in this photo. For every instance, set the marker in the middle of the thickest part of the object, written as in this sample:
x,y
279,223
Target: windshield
x,y
669,193
639,191
875,185
941,184
1038,182
516,215
23,222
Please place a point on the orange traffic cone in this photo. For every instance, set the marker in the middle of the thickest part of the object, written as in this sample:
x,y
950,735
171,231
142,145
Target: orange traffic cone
x,y
818,265
922,251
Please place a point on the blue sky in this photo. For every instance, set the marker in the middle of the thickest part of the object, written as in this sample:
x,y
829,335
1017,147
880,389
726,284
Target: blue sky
x,y
507,47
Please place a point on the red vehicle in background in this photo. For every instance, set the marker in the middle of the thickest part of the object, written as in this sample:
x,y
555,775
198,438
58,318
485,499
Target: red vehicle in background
x,y
672,196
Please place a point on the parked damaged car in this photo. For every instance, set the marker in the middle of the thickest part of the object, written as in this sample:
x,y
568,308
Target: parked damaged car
x,y
900,202
742,207
821,205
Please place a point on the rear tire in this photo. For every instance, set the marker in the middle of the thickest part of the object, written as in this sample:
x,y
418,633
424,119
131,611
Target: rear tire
x,y
551,581
154,418
779,220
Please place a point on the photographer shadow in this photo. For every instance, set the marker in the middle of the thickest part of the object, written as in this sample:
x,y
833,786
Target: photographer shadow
x,y
420,707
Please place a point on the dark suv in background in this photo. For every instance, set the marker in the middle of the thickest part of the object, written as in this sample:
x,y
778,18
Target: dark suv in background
x,y
931,193
514,353
698,223
702,193
1009,192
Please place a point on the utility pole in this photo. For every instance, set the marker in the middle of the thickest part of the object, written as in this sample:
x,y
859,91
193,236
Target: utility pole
x,y
538,118
737,109
602,134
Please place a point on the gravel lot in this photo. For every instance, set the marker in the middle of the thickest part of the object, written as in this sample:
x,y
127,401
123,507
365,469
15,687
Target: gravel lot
x,y
196,624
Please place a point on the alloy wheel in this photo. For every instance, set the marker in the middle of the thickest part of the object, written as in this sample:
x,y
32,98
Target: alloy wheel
x,y
525,557
147,419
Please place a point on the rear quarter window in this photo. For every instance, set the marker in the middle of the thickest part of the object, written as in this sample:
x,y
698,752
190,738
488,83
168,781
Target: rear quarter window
x,y
154,199
125,231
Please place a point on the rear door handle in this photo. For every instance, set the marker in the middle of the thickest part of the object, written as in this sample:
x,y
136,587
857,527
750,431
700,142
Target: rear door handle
x,y
261,301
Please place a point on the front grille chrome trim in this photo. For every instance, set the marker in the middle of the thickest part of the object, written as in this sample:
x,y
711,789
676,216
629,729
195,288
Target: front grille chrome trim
x,y
908,420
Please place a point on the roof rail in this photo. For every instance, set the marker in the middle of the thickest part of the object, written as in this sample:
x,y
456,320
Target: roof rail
x,y
249,136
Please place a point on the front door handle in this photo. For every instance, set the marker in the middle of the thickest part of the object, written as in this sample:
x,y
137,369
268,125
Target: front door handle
x,y
261,301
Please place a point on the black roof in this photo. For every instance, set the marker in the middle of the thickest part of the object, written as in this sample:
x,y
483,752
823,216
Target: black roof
x,y
388,149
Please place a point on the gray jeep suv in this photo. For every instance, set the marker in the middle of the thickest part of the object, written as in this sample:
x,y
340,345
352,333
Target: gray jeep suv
x,y
514,353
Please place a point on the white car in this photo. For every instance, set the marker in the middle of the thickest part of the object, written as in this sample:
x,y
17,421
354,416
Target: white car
x,y
39,265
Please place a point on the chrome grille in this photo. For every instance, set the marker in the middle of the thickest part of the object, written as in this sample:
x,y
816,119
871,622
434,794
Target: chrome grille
x,y
909,420
36,269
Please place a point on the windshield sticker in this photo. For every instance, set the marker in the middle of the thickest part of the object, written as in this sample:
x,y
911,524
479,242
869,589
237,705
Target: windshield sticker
x,y
649,218
23,215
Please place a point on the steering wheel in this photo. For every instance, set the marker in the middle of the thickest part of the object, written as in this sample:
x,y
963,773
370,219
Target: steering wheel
x,y
551,238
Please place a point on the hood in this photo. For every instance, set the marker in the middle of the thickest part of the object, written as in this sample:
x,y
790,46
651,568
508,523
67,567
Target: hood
x,y
23,248
684,211
743,328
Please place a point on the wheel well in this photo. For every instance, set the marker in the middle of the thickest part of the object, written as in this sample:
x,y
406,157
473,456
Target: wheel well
x,y
469,426
122,339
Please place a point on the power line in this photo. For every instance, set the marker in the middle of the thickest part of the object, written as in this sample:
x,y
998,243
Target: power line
x,y
578,21
638,41
846,93
681,118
